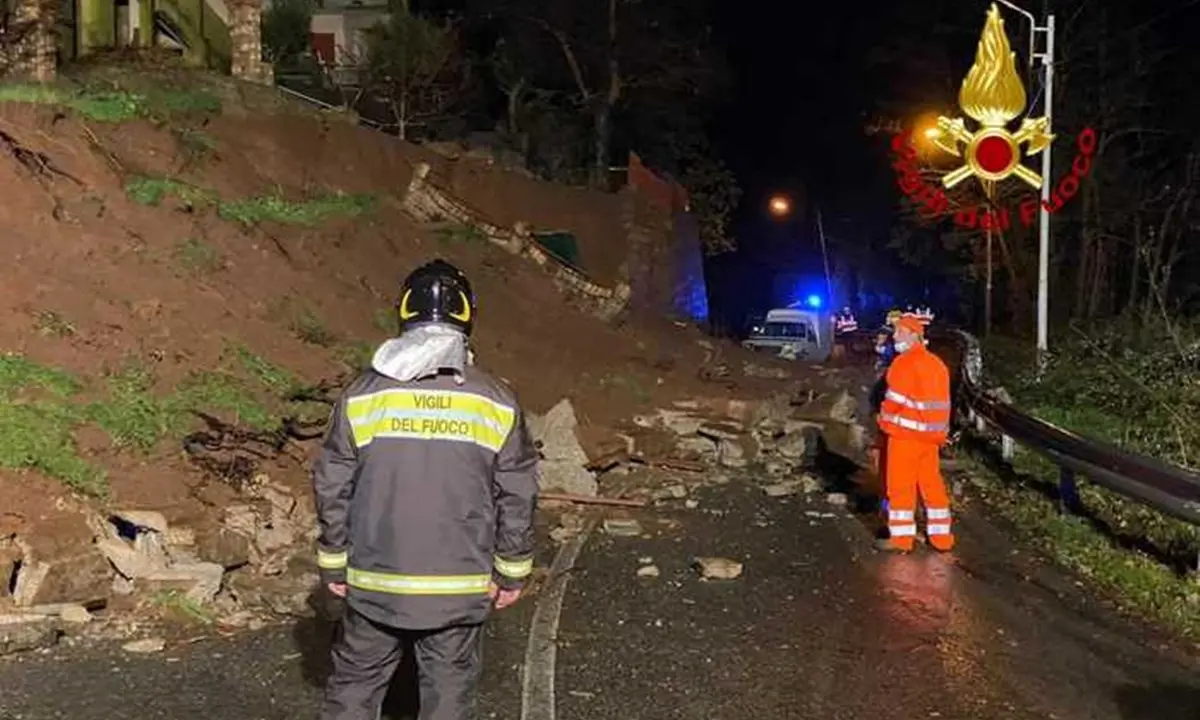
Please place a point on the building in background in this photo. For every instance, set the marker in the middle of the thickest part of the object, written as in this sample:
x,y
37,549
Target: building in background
x,y
338,35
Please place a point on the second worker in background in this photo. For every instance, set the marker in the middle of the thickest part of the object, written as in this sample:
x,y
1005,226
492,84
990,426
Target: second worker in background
x,y
915,417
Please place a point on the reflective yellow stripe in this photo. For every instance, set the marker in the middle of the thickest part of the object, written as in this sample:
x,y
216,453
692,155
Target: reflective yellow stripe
x,y
331,560
430,415
393,584
515,569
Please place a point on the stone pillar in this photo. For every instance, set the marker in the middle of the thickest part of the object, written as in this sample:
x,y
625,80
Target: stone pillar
x,y
245,33
34,52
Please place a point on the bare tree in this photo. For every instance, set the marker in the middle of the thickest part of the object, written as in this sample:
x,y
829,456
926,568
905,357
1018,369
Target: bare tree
x,y
414,64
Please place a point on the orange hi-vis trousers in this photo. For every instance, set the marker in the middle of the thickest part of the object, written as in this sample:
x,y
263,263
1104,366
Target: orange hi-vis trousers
x,y
911,466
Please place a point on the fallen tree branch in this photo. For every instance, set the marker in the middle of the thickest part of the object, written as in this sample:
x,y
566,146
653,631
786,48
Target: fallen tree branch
x,y
671,463
591,500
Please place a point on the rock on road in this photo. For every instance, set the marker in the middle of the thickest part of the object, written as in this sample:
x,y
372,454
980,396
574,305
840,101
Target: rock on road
x,y
822,626
817,626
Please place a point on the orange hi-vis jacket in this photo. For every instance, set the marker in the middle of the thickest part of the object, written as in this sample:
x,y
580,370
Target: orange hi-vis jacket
x,y
917,403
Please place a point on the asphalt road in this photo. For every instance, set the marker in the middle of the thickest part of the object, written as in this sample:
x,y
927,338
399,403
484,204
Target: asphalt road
x,y
822,626
274,674
819,626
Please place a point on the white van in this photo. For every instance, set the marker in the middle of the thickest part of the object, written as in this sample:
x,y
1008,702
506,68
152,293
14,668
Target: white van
x,y
794,334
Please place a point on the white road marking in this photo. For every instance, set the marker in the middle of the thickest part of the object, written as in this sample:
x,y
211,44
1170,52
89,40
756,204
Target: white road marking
x,y
537,687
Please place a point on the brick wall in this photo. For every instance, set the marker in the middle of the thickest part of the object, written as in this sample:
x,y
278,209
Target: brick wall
x,y
665,264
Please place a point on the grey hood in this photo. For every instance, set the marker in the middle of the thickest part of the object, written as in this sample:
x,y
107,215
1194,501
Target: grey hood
x,y
423,351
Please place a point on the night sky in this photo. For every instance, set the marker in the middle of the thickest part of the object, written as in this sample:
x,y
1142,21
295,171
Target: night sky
x,y
811,76
796,125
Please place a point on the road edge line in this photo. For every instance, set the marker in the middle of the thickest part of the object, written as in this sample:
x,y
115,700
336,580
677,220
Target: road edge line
x,y
537,685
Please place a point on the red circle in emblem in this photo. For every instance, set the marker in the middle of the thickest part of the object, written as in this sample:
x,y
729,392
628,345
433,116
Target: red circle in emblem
x,y
994,154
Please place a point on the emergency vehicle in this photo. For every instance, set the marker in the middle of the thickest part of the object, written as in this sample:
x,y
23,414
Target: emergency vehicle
x,y
794,333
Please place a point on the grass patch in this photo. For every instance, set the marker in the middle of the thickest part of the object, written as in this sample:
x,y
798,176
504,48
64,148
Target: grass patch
x,y
310,328
37,425
114,105
132,415
1137,582
206,390
40,411
270,375
460,233
249,211
152,191
19,374
198,257
273,208
50,323
1107,386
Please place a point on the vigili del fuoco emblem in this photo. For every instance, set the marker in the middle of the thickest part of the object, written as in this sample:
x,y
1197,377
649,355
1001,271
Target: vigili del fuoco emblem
x,y
993,96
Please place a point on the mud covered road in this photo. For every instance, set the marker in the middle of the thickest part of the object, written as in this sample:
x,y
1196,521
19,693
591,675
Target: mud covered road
x,y
819,625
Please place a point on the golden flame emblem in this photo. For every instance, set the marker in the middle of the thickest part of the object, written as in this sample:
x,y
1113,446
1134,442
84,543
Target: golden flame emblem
x,y
993,96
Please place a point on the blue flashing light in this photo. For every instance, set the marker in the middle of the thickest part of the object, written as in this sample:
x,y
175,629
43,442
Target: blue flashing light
x,y
813,301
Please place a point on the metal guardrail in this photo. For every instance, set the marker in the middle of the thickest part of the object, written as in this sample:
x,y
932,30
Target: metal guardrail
x,y
1167,488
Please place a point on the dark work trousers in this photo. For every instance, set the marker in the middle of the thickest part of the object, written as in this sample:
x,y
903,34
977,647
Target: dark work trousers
x,y
367,654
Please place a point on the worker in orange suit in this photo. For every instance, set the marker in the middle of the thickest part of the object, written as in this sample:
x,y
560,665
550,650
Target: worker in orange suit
x,y
915,417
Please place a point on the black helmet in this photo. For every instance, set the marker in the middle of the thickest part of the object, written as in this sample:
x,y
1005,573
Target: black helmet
x,y
437,292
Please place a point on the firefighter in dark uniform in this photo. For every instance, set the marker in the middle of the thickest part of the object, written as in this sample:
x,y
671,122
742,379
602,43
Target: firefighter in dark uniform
x,y
425,490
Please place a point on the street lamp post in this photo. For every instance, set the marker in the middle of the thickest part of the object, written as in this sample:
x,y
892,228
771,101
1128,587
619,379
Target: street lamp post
x,y
1047,58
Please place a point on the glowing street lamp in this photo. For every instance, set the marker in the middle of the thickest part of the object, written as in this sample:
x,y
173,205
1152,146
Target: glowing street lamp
x,y
780,206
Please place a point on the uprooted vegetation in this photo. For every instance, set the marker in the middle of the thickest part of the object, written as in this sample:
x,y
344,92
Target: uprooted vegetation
x,y
43,408
1139,396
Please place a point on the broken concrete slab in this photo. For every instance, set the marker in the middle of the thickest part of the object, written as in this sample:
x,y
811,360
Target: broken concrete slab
x,y
837,499
567,477
648,571
226,547
199,581
670,492
622,527
839,406
696,446
680,422
718,431
131,562
783,489
799,445
61,568
146,646
21,631
734,454
717,568
146,559
144,520
564,463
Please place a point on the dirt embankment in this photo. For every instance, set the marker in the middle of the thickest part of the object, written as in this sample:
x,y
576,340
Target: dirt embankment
x,y
174,253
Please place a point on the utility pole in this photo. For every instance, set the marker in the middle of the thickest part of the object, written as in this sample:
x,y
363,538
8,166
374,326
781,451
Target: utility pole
x,y
825,258
1043,292
1047,58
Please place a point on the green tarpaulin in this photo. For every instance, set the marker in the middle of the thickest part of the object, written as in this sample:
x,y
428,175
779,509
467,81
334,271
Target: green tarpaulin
x,y
560,244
